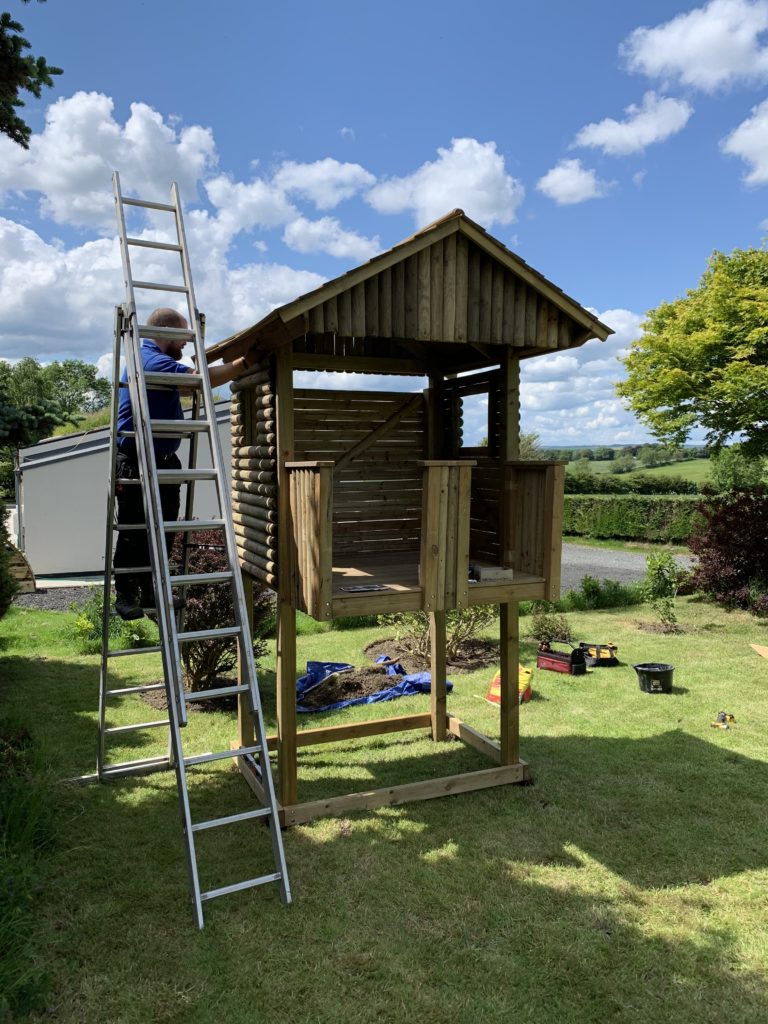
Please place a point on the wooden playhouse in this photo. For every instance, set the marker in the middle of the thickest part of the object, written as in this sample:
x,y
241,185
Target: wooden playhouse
x,y
369,501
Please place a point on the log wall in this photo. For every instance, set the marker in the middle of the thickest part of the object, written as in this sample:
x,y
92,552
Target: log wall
x,y
254,472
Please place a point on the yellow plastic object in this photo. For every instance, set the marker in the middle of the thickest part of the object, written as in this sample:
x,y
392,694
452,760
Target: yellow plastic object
x,y
524,691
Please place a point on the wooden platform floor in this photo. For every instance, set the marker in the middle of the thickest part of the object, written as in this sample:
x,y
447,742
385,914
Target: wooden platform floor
x,y
399,575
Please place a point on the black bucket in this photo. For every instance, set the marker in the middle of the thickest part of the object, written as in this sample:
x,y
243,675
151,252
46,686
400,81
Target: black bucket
x,y
655,678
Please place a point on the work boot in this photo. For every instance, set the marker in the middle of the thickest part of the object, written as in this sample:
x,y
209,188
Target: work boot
x,y
148,601
127,607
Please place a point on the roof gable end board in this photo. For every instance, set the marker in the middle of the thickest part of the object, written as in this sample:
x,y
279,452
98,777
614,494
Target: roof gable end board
x,y
450,282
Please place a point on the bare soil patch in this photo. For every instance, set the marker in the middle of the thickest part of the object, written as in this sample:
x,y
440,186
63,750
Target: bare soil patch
x,y
156,699
474,654
359,682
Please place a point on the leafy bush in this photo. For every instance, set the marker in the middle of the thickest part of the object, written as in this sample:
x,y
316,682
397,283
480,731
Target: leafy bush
x,y
548,624
731,541
593,594
85,632
8,585
461,626
630,517
632,483
7,479
25,831
210,606
662,579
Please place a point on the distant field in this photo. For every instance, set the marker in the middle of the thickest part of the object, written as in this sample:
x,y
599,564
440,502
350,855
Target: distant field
x,y
691,469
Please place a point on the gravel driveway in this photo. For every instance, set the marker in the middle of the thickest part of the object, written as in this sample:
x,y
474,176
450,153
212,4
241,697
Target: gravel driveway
x,y
578,561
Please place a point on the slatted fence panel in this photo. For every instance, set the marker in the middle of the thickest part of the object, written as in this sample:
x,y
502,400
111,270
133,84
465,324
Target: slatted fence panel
x,y
377,496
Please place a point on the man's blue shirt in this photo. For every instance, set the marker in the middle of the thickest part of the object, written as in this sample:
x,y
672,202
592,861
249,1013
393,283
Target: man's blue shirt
x,y
163,405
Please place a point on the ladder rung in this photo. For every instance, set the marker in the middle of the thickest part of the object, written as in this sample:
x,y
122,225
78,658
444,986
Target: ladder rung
x,y
237,752
239,886
148,331
147,205
175,524
220,691
193,524
126,433
134,650
142,767
130,571
153,378
135,689
208,634
160,287
183,475
261,812
137,725
178,428
200,577
153,245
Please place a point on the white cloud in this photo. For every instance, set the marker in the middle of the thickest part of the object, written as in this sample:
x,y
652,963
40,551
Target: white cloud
x,y
58,303
750,142
570,182
71,161
241,206
470,175
562,365
326,182
327,235
656,119
638,178
347,133
707,48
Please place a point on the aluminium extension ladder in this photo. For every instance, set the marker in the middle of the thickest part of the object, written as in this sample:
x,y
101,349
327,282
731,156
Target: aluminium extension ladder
x,y
128,334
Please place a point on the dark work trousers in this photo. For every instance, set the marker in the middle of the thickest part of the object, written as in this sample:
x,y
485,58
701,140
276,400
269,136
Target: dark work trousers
x,y
132,547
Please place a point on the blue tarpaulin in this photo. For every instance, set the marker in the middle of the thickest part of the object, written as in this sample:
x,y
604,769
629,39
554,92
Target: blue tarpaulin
x,y
317,671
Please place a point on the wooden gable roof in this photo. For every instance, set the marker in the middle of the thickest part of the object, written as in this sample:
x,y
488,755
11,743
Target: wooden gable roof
x,y
451,282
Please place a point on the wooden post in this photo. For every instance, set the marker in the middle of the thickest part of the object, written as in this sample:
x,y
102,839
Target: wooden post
x,y
509,641
438,699
509,449
246,733
286,613
287,774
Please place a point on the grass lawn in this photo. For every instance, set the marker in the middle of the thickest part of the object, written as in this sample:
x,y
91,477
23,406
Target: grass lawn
x,y
629,883
697,470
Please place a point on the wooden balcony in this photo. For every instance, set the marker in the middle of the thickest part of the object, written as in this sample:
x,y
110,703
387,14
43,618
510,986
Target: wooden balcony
x,y
521,501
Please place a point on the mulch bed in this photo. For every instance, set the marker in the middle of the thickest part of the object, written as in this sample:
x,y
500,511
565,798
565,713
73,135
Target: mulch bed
x,y
475,654
358,682
156,699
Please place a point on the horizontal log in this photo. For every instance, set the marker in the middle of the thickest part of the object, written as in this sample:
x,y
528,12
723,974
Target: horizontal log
x,y
260,494
253,388
246,508
264,411
264,437
253,476
249,516
254,451
269,579
253,465
246,551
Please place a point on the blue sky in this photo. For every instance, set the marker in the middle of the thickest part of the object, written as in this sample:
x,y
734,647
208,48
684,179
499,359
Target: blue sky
x,y
612,146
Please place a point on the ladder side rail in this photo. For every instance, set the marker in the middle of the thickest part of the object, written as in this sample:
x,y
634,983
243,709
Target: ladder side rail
x,y
148,469
110,533
153,515
225,503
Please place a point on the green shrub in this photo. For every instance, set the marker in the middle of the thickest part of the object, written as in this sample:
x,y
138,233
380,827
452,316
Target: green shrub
x,y
630,517
8,585
547,624
7,480
593,594
461,626
85,632
662,579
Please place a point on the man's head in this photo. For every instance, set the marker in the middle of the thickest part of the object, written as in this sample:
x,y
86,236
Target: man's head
x,y
166,317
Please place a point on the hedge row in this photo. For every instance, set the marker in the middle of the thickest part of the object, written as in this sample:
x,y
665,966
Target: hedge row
x,y
631,483
630,516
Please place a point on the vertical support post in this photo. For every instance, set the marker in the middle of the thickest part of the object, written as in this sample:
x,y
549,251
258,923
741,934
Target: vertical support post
x,y
287,773
509,635
246,733
509,451
286,613
437,690
509,642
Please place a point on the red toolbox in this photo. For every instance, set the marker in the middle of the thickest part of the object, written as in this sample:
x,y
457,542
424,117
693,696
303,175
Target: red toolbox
x,y
571,661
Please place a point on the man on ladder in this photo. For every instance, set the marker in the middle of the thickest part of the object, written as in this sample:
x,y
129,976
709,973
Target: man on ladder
x,y
134,594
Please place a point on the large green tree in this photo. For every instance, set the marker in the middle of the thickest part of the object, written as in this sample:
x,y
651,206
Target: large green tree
x,y
703,360
19,72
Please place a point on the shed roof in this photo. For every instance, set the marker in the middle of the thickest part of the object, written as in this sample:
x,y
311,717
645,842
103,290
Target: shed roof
x,y
451,282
